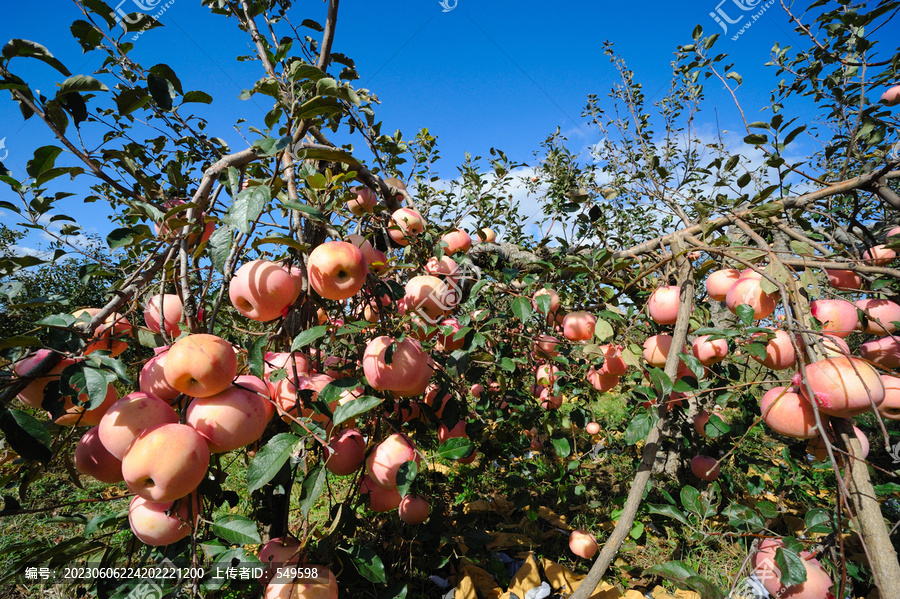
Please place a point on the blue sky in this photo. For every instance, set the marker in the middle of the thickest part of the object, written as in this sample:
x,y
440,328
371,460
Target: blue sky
x,y
482,75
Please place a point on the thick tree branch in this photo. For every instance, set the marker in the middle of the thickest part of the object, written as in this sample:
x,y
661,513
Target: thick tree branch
x,y
651,445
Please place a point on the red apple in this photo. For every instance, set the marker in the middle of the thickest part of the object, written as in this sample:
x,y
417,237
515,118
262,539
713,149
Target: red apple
x,y
709,351
33,394
890,407
748,291
780,354
166,462
346,452
154,523
381,499
838,317
171,313
364,201
152,379
457,241
337,270
129,417
816,586
486,235
414,509
592,428
879,255
844,279
885,352
262,290
663,304
891,97
656,350
720,281
880,315
78,415
407,224
231,418
842,386
583,544
92,459
408,373
705,467
200,365
787,412
579,326
107,336
384,462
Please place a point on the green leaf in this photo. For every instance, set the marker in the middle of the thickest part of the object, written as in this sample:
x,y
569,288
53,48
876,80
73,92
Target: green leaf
x,y
354,408
248,206
819,520
25,434
306,209
543,302
120,237
406,475
887,489
43,160
162,91
86,34
755,139
638,428
237,530
668,510
367,563
311,489
603,330
734,75
716,427
29,49
690,499
742,517
745,313
19,341
166,72
102,10
255,355
81,83
521,308
219,246
661,382
197,97
138,21
684,575
562,447
455,449
269,460
308,337
791,566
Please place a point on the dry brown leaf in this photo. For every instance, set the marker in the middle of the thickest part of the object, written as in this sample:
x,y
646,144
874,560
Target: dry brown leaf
x,y
553,518
465,588
526,578
442,468
687,595
513,540
480,579
563,579
632,594
660,593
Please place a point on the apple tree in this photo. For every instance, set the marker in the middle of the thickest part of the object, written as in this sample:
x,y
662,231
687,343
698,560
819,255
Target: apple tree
x,y
302,343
